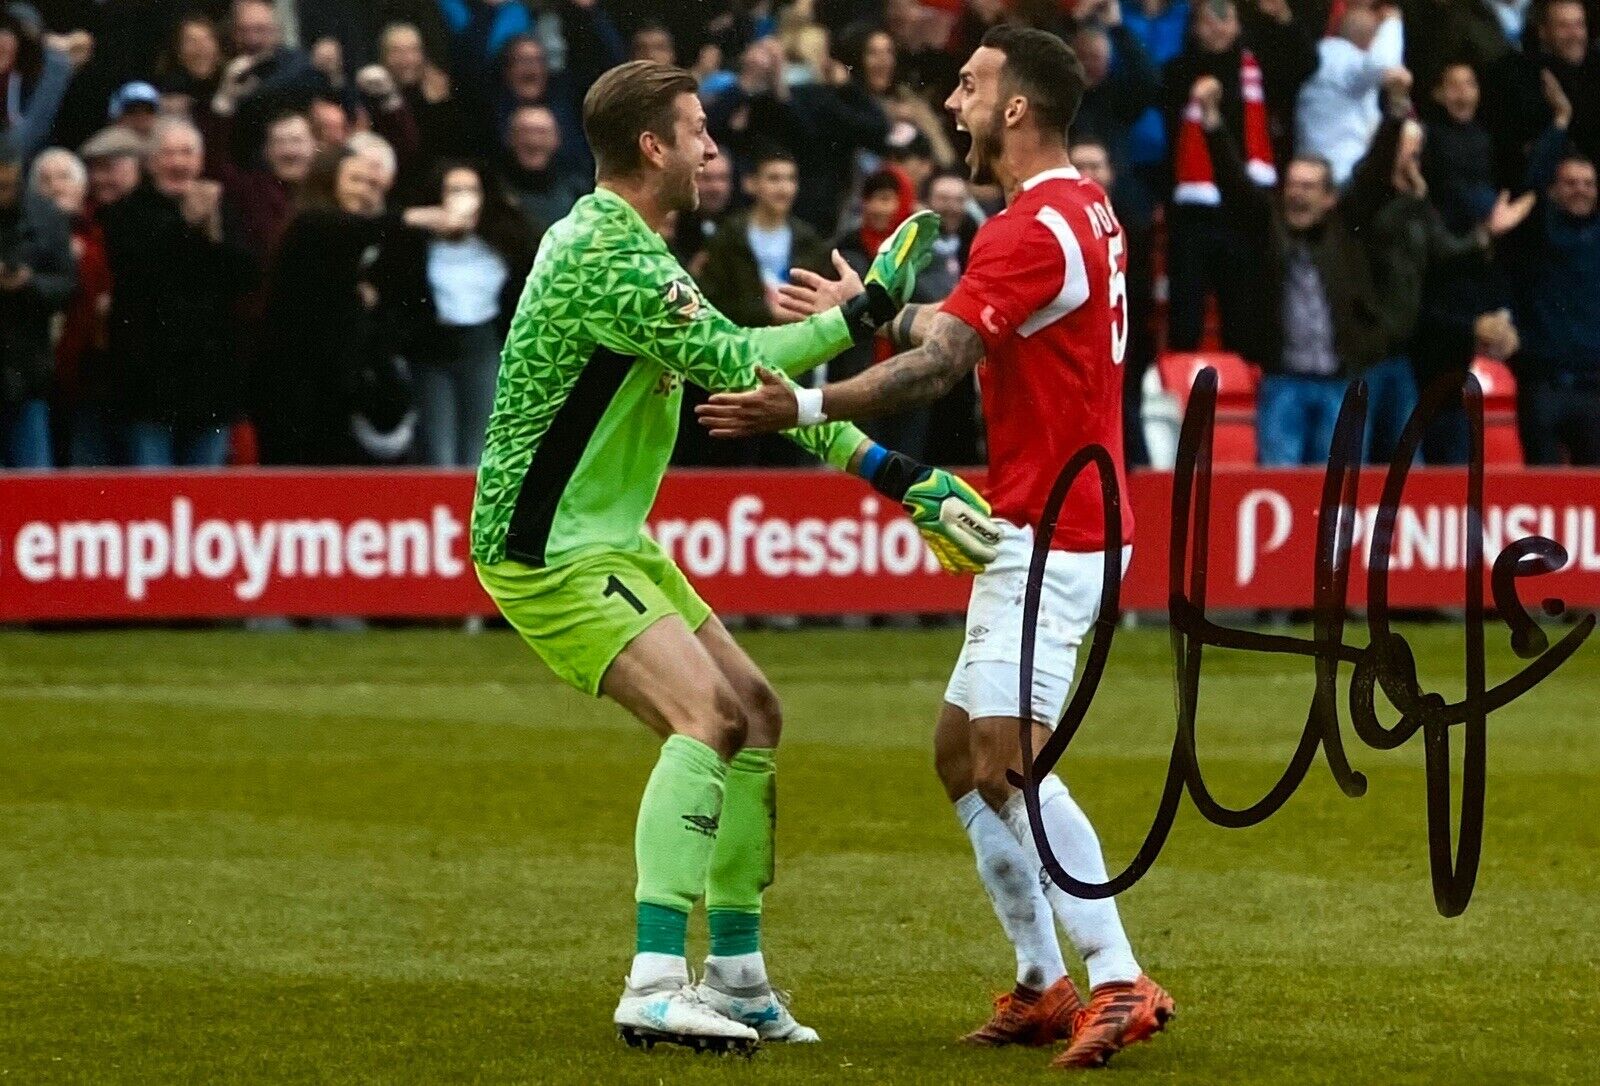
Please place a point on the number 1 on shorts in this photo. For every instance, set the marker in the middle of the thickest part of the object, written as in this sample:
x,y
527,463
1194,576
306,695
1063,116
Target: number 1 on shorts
x,y
615,587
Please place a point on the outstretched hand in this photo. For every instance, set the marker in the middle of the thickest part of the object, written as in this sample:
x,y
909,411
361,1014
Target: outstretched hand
x,y
809,293
1508,214
768,409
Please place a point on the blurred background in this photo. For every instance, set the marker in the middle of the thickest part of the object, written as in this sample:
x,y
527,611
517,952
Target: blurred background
x,y
256,263
290,236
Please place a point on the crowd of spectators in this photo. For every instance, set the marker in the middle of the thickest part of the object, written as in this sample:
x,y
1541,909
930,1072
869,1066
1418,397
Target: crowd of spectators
x,y
293,232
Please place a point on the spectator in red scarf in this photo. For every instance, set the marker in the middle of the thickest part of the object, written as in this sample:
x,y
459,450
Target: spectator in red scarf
x,y
887,199
1264,50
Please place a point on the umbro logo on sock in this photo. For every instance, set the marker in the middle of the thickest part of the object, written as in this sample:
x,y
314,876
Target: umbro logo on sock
x,y
699,823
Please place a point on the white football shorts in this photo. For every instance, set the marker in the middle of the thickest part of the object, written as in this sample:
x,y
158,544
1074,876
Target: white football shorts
x,y
988,672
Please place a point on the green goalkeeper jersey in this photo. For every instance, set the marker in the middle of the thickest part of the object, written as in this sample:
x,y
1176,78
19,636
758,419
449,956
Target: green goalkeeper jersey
x,y
585,414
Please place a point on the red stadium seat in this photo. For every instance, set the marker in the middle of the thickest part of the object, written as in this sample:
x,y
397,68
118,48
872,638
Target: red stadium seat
x,y
1237,384
243,449
1502,445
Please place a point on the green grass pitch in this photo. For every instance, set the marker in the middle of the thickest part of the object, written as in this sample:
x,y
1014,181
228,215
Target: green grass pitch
x,y
407,857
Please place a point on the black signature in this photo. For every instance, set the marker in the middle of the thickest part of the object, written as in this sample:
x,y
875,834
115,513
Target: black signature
x,y
1387,660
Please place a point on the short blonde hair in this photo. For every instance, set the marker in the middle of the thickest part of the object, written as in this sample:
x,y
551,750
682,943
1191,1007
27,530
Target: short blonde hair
x,y
625,103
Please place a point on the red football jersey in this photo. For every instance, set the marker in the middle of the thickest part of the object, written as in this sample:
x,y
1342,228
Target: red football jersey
x,y
1046,289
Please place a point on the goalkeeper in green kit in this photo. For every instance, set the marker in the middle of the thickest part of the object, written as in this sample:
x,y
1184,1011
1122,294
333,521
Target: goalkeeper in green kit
x,y
585,416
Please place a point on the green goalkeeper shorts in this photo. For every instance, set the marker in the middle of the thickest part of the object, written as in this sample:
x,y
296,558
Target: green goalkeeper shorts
x,y
580,615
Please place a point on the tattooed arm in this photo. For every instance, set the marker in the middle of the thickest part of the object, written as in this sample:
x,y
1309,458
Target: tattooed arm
x,y
949,349
948,353
910,329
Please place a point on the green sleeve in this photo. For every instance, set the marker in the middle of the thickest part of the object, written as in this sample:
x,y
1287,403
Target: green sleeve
x,y
797,349
660,314
800,348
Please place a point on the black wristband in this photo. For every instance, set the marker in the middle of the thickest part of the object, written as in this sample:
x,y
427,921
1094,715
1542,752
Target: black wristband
x,y
868,311
900,330
897,474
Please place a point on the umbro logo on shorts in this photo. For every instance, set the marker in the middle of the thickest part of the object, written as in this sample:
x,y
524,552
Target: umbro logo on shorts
x,y
977,633
699,823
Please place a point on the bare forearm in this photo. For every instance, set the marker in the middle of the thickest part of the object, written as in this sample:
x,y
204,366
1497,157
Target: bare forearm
x,y
919,376
910,329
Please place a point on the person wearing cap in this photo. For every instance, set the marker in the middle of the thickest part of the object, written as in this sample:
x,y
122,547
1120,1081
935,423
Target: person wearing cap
x,y
37,276
135,107
112,158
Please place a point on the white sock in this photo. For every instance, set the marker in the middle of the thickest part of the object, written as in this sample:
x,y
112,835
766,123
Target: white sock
x,y
1093,926
1007,874
651,970
733,973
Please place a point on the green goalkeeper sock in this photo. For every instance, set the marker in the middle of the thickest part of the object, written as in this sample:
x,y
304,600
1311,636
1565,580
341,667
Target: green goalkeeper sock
x,y
742,861
674,838
733,933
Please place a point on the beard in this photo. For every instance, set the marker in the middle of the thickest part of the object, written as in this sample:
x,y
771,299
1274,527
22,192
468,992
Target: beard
x,y
987,148
681,192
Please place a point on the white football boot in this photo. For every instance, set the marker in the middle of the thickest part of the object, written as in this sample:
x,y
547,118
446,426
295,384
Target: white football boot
x,y
675,1013
762,1009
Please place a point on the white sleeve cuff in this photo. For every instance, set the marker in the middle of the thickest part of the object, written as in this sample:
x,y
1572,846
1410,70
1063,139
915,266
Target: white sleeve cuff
x,y
809,403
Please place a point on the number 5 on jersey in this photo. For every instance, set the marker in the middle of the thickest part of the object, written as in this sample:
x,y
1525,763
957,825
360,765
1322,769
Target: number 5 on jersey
x,y
1119,298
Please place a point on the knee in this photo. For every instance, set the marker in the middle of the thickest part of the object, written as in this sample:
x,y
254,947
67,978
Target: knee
x,y
763,714
718,721
989,767
729,720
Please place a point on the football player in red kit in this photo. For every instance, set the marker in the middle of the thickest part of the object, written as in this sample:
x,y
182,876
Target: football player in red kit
x,y
1042,313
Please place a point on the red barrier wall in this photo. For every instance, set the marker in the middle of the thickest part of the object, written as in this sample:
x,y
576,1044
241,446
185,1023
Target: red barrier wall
x,y
239,543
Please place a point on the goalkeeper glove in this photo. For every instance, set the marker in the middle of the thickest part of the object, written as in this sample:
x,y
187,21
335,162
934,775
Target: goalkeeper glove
x,y
952,517
893,275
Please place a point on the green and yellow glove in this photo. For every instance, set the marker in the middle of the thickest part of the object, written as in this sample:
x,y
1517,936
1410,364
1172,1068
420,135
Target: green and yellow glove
x,y
952,517
902,255
893,275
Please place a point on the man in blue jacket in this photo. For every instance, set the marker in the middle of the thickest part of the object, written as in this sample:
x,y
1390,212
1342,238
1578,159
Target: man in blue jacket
x,y
1560,380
